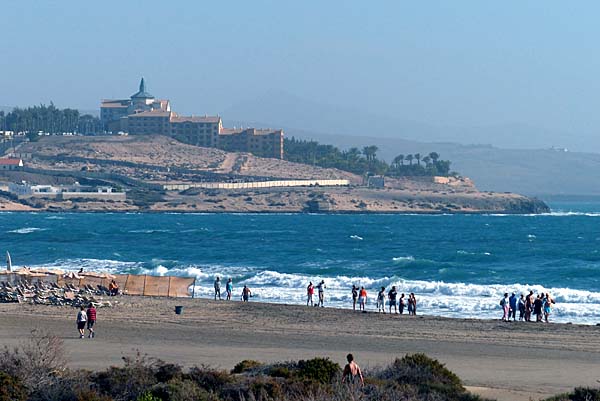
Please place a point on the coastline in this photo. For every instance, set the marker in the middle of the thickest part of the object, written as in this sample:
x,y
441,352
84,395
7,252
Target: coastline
x,y
535,360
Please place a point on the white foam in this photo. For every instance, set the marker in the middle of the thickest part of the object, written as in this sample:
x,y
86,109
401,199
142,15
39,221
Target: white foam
x,y
26,230
356,237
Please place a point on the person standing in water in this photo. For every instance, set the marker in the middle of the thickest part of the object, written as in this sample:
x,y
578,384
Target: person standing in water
x,y
402,304
246,293
310,291
352,372
521,306
362,299
321,288
229,288
354,296
504,303
218,288
392,294
412,304
381,300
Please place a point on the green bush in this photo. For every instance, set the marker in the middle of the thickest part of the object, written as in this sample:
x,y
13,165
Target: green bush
x,y
208,379
128,382
426,373
579,394
11,388
322,370
246,365
280,371
147,396
168,371
179,390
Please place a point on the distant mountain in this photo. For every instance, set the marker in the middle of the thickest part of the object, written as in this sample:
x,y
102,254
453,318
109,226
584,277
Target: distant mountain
x,y
534,172
283,109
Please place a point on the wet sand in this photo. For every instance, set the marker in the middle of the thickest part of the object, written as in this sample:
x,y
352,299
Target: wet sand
x,y
507,361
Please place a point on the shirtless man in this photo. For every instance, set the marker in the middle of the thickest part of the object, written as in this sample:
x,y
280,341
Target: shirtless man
x,y
352,371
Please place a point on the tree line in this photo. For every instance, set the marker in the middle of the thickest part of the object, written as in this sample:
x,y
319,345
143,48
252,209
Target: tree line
x,y
364,161
48,119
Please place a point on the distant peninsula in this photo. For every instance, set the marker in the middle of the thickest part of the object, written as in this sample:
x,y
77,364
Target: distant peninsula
x,y
156,173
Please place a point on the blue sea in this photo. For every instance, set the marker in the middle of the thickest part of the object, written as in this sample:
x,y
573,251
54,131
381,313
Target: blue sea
x,y
457,265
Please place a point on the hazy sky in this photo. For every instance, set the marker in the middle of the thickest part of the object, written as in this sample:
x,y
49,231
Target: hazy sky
x,y
440,62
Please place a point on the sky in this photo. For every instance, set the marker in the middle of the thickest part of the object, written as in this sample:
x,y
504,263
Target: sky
x,y
471,63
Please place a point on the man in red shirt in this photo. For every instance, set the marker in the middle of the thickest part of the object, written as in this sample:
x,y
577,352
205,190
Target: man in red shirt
x,y
91,319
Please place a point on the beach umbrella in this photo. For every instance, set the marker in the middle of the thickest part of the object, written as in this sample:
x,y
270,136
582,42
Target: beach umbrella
x,y
8,262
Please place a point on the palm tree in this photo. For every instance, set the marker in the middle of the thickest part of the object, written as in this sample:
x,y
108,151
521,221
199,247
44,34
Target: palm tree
x,y
418,158
370,151
434,157
427,161
398,160
409,158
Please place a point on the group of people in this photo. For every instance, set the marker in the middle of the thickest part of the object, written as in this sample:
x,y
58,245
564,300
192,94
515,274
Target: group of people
x,y
399,304
86,317
310,292
540,306
246,292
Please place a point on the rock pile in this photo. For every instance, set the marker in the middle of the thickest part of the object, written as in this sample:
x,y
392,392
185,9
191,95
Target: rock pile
x,y
43,293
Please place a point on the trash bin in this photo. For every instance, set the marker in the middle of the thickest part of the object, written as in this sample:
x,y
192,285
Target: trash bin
x,y
178,310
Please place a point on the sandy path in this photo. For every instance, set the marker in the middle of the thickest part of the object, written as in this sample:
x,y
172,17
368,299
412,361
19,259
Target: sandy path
x,y
508,361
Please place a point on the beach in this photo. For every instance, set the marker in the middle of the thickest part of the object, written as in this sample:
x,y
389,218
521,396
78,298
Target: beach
x,y
507,361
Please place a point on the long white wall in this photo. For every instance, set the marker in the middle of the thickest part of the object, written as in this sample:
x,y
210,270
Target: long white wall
x,y
262,184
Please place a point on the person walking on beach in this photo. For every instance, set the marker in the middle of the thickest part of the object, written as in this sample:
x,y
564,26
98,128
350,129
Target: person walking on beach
x,y
218,288
81,320
91,320
504,303
246,293
381,300
229,288
401,303
512,303
354,296
310,291
392,294
362,299
352,372
321,288
412,304
521,307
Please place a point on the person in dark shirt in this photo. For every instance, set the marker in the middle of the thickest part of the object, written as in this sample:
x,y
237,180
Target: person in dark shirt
x,y
392,294
537,308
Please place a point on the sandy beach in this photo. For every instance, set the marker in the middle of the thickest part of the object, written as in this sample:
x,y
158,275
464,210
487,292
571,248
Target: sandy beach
x,y
507,361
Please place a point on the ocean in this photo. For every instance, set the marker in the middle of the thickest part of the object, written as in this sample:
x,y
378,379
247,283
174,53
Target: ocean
x,y
457,265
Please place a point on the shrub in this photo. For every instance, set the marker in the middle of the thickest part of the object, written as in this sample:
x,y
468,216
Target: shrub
x,y
208,379
147,396
426,373
35,362
280,371
168,371
322,370
265,389
128,382
579,394
246,365
179,390
11,388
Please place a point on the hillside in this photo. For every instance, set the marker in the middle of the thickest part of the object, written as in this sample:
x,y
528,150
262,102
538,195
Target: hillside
x,y
142,165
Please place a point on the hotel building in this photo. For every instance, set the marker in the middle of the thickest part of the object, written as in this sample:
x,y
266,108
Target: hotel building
x,y
142,114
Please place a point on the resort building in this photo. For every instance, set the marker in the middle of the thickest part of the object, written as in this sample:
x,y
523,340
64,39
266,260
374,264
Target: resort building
x,y
10,164
142,114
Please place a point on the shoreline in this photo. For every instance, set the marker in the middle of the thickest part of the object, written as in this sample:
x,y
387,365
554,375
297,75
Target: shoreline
x,y
221,333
